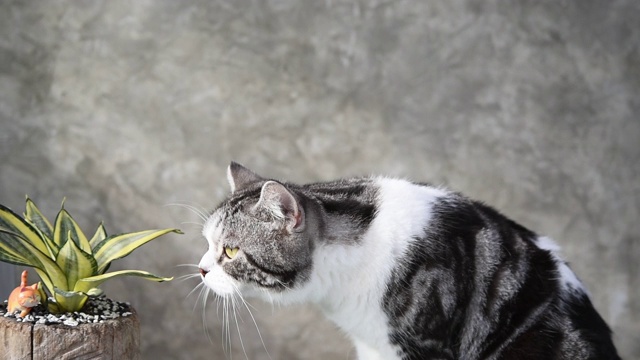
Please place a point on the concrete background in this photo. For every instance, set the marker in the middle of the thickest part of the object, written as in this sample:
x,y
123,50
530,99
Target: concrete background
x,y
126,107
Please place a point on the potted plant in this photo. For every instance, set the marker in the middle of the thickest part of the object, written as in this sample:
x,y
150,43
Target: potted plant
x,y
74,318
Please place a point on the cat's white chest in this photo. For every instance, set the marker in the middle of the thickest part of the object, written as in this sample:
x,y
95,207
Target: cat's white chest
x,y
355,303
367,326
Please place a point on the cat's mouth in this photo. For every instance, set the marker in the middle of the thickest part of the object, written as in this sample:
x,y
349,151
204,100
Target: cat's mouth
x,y
31,302
217,280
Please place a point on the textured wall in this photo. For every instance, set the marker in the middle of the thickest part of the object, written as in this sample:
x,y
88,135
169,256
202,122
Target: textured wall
x,y
125,107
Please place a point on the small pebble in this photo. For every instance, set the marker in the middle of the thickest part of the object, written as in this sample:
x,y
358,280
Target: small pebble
x,y
96,310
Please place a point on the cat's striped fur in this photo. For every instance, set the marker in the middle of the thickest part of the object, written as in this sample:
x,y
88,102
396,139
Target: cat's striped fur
x,y
408,270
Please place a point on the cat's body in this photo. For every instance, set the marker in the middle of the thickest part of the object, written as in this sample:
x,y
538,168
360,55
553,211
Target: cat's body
x,y
408,270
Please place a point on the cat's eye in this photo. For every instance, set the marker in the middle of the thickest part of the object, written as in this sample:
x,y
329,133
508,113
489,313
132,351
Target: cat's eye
x,y
230,252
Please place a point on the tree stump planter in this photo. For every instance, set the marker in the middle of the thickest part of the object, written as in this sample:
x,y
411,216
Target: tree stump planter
x,y
117,338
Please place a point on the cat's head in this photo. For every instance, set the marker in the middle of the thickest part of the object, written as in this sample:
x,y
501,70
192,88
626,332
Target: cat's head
x,y
29,296
260,238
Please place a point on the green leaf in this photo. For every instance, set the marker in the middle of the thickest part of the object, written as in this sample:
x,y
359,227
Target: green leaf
x,y
15,249
87,284
11,259
95,292
118,246
53,308
35,217
11,250
11,222
75,263
64,225
43,295
41,225
100,235
48,283
69,301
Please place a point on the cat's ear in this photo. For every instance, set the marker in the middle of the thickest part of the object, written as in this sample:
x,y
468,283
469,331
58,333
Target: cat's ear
x,y
280,202
240,177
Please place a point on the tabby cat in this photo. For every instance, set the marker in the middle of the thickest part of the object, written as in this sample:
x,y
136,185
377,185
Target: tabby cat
x,y
409,271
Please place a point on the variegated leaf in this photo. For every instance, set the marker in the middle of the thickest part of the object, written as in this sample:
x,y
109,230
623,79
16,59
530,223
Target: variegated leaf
x,y
15,249
10,251
53,307
43,295
89,283
42,225
69,301
65,224
75,263
11,222
101,234
118,246
35,217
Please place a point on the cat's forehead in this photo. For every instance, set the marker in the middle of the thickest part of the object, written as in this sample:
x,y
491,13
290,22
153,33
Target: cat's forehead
x,y
232,215
212,228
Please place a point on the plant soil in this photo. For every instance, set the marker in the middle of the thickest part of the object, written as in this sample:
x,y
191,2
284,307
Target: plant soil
x,y
96,310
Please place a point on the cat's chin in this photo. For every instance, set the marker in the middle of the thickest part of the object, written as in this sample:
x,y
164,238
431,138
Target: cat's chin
x,y
224,288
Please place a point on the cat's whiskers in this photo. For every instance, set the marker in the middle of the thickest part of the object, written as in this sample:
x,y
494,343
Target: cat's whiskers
x,y
202,289
186,277
247,305
227,325
271,300
187,265
235,317
201,213
206,292
283,284
199,287
195,288
201,297
226,345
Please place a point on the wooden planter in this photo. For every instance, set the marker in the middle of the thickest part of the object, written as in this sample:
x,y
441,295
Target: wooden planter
x,y
112,339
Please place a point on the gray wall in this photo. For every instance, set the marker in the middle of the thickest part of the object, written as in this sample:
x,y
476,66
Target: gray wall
x,y
127,108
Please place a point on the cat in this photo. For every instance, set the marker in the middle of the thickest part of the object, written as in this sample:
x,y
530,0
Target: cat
x,y
24,297
408,270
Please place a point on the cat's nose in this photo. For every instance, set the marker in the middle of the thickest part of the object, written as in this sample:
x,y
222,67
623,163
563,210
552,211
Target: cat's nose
x,y
203,272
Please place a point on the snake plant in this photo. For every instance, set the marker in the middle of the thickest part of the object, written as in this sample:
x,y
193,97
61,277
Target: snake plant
x,y
70,264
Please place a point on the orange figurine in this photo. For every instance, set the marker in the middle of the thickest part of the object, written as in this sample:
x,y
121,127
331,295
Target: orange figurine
x,y
24,297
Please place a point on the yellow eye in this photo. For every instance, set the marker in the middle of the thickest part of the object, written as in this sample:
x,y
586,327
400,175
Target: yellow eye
x,y
230,252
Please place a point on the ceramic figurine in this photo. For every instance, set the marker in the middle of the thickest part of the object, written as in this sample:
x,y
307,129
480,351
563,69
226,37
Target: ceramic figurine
x,y
24,297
